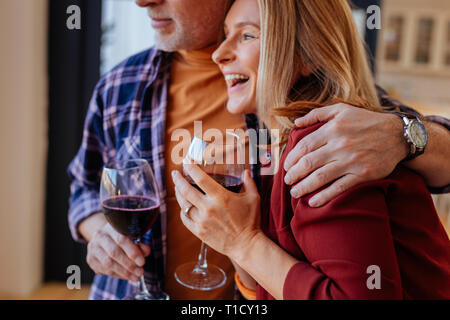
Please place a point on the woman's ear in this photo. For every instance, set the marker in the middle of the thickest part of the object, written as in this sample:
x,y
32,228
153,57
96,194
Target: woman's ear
x,y
302,70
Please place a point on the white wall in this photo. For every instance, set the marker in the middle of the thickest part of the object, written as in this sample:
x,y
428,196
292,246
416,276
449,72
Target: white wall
x,y
23,143
129,32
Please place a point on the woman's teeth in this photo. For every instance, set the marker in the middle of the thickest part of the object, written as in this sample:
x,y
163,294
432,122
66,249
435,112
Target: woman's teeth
x,y
233,79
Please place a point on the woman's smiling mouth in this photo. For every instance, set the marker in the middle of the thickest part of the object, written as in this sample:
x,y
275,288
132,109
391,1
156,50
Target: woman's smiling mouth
x,y
235,81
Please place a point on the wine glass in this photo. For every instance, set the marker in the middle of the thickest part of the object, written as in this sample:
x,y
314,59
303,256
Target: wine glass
x,y
224,163
130,200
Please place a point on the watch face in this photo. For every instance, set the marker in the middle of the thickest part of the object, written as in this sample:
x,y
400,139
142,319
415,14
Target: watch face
x,y
418,134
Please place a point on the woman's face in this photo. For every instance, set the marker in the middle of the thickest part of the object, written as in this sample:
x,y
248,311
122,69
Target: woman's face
x,y
238,55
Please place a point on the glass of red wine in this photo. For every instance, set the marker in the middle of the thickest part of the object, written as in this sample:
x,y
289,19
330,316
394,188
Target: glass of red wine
x,y
224,163
130,200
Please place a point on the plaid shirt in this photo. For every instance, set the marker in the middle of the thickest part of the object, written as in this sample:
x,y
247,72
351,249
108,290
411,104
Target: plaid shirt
x,y
126,119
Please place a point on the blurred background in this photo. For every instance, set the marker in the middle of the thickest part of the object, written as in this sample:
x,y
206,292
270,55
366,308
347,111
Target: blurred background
x,y
48,72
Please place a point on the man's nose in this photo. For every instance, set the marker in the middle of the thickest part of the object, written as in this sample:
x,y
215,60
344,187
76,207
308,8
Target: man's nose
x,y
146,3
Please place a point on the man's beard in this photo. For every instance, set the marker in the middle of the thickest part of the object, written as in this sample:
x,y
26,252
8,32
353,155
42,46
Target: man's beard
x,y
182,40
168,45
175,41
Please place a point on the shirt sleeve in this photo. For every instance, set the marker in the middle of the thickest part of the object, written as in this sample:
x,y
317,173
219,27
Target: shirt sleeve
x,y
348,246
392,104
85,169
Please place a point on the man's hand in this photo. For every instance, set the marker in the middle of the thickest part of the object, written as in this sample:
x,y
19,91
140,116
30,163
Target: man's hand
x,y
354,146
115,255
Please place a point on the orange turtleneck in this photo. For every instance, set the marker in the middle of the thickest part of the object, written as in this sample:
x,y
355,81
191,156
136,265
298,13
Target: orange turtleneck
x,y
197,92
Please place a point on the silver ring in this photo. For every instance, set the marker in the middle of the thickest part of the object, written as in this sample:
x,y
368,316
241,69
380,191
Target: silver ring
x,y
187,209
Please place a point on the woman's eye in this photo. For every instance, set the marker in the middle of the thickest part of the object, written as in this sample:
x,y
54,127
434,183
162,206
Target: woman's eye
x,y
248,37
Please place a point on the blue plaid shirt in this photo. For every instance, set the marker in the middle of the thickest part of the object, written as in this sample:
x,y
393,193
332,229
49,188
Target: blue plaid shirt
x,y
126,119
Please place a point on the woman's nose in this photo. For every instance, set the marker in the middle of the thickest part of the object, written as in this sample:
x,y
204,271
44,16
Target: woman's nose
x,y
223,54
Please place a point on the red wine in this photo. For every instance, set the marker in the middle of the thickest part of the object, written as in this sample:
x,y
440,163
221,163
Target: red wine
x,y
231,183
131,216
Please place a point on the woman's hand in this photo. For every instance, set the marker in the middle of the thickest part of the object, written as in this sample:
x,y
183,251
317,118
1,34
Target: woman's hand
x,y
230,224
224,220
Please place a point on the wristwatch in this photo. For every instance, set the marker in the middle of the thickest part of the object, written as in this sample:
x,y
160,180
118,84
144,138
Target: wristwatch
x,y
415,135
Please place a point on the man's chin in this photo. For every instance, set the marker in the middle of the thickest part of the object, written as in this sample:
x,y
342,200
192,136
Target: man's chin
x,y
167,42
165,48
173,43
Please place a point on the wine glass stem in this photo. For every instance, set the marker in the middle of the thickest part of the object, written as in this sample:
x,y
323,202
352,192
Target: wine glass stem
x,y
142,287
202,264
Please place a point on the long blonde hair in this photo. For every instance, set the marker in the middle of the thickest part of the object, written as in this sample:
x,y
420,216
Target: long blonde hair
x,y
318,36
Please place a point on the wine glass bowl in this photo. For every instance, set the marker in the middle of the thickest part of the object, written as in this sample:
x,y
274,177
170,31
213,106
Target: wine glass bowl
x,y
131,216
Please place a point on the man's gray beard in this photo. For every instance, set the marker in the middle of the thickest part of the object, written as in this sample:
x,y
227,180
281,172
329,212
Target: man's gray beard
x,y
185,41
173,45
165,47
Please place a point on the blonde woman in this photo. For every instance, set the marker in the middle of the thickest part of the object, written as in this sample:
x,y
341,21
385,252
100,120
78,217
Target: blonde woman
x,y
380,239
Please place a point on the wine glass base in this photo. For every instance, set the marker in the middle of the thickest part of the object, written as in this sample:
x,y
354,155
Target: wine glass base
x,y
138,297
151,296
160,296
205,279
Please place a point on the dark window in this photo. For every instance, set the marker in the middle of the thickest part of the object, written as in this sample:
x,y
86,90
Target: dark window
x,y
424,40
447,46
393,38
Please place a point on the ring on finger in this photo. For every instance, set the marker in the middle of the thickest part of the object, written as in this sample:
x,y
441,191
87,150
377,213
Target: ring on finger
x,y
187,209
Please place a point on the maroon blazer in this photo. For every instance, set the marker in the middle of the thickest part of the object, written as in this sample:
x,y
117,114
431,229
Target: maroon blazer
x,y
389,223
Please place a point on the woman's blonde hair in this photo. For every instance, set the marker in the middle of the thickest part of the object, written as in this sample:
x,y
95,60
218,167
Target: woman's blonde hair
x,y
311,55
